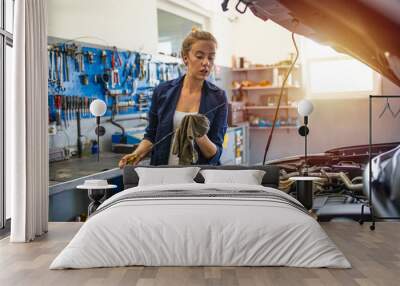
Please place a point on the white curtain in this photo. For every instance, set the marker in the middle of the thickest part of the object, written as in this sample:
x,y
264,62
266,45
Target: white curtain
x,y
26,123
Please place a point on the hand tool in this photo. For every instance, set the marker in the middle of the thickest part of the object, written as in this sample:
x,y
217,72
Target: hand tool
x,y
49,107
90,57
112,70
117,56
73,106
138,66
142,71
82,62
115,73
76,59
51,73
50,63
56,67
103,56
116,76
77,104
61,67
66,64
80,104
112,61
57,104
86,100
84,79
82,99
105,79
125,70
64,110
90,100
68,106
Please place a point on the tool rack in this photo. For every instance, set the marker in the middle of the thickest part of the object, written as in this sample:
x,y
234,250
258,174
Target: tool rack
x,y
81,72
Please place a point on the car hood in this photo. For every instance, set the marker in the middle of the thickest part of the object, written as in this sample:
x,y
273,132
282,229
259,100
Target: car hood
x,y
367,30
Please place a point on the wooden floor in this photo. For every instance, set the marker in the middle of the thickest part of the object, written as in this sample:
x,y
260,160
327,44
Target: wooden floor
x,y
375,257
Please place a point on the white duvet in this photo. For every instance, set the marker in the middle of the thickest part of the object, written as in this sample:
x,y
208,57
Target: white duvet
x,y
200,231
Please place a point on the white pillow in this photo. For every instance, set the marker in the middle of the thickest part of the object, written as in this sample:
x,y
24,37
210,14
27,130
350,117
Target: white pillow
x,y
164,176
249,177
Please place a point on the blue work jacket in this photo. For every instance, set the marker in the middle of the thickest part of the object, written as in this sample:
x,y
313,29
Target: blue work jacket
x,y
163,104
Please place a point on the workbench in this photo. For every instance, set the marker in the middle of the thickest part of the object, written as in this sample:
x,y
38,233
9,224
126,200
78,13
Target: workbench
x,y
75,168
65,201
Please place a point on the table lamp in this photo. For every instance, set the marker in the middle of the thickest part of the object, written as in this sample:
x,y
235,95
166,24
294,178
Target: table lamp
x,y
305,108
98,108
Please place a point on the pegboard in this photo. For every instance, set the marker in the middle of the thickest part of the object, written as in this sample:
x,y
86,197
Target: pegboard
x,y
80,73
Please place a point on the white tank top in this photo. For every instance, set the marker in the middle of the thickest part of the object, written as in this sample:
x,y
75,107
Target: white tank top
x,y
178,116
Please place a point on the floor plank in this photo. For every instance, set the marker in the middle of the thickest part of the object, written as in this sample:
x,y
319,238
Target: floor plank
x,y
374,255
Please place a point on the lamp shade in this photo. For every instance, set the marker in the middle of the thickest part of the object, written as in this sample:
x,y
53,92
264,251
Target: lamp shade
x,y
98,107
305,107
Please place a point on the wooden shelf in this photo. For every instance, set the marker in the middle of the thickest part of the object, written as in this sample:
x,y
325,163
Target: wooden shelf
x,y
265,87
276,128
263,68
261,107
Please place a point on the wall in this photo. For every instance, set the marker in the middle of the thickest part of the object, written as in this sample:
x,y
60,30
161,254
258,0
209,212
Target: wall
x,y
127,24
132,24
261,42
344,122
334,123
219,23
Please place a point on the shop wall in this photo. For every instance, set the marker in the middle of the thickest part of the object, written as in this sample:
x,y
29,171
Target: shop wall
x,y
132,24
262,42
126,24
334,123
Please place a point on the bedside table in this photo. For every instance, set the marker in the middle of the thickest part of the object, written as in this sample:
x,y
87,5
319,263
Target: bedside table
x,y
96,193
304,190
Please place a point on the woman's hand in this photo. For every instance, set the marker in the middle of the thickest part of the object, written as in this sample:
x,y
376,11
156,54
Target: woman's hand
x,y
136,156
207,147
130,159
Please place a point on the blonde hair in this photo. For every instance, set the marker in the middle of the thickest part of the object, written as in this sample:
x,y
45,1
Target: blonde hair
x,y
193,37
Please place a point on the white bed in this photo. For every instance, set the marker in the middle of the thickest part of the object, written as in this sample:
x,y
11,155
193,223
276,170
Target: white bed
x,y
184,230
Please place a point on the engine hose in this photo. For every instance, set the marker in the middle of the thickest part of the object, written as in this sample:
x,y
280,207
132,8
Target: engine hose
x,y
345,179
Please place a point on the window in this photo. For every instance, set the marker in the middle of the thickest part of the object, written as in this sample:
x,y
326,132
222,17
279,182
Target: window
x,y
331,74
172,29
6,43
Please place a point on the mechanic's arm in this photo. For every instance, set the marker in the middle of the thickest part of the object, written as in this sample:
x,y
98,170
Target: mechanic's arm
x,y
207,147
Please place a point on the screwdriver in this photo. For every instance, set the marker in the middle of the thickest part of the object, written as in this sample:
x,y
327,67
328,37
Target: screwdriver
x,y
57,103
64,110
86,105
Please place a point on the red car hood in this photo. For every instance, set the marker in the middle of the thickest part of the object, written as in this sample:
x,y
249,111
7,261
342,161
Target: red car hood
x,y
367,30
